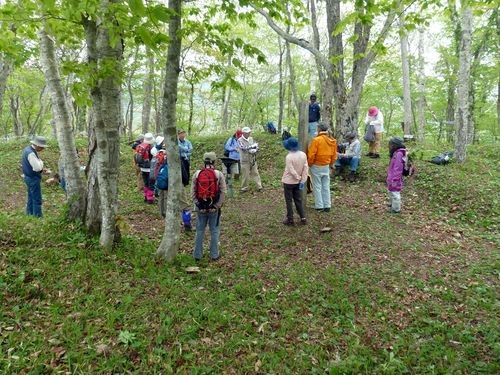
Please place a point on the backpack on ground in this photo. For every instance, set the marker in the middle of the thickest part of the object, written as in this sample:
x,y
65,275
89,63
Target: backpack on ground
x,y
271,128
443,158
162,177
285,135
143,155
408,166
207,188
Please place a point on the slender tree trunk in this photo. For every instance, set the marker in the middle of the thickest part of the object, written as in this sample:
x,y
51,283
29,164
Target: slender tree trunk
x,y
130,117
291,74
93,213
316,43
75,189
148,92
169,245
6,68
421,88
226,99
464,61
191,107
407,115
16,116
281,99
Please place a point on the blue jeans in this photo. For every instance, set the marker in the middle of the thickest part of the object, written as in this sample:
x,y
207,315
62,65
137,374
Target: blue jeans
x,y
352,162
202,219
321,186
34,205
313,129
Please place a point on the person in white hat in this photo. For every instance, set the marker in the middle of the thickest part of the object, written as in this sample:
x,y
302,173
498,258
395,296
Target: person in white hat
x,y
143,158
248,149
32,173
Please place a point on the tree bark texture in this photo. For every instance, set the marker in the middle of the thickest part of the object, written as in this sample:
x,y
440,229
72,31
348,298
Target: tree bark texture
x,y
421,88
75,188
148,92
464,63
405,65
281,94
6,67
169,245
16,116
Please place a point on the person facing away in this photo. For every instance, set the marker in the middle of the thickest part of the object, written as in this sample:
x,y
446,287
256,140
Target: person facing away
x,y
209,193
350,157
375,117
138,174
32,173
294,178
248,156
397,153
314,116
143,160
321,158
231,148
185,151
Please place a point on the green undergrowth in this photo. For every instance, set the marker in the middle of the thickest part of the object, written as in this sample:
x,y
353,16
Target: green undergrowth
x,y
414,293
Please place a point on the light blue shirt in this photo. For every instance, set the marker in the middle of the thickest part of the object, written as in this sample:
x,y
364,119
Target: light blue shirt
x,y
185,149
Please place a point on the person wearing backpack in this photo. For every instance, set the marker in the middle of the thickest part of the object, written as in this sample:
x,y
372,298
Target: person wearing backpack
x,y
231,152
374,123
397,153
209,192
143,158
137,170
248,152
161,181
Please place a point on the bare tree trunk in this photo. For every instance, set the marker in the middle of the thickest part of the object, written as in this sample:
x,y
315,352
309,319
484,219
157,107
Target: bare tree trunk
x,y
226,99
130,117
16,116
191,107
291,70
93,215
407,115
148,92
421,88
75,189
281,99
6,67
158,102
316,43
169,245
464,61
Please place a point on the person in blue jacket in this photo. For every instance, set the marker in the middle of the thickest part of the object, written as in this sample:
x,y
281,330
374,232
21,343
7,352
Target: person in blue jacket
x,y
32,173
314,116
231,150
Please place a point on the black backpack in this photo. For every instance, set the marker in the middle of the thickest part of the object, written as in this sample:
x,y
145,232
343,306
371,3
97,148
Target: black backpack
x,y
409,167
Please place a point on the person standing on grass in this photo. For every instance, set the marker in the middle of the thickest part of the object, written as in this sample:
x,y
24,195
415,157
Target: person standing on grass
x,y
314,116
294,178
32,173
397,153
143,158
375,118
185,151
248,149
321,157
137,170
209,193
231,150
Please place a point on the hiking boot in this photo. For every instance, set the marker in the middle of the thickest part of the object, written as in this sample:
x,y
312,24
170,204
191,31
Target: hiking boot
x,y
336,172
215,259
303,221
391,211
260,190
369,154
326,209
352,176
375,156
288,221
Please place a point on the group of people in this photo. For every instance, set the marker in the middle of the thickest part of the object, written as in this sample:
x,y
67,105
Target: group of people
x,y
208,187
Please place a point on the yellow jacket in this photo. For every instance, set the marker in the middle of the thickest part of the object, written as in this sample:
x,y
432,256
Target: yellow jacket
x,y
323,150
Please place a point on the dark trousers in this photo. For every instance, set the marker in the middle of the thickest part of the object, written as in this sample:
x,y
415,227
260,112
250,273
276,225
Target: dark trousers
x,y
293,194
34,204
185,172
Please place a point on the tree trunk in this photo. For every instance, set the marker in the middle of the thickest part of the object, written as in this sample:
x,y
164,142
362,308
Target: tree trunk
x,y
169,245
421,88
291,71
464,61
130,118
316,43
16,116
93,214
407,114
6,67
148,92
281,99
75,189
191,107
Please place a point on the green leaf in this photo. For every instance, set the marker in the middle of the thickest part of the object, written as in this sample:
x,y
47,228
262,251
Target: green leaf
x,y
137,7
161,13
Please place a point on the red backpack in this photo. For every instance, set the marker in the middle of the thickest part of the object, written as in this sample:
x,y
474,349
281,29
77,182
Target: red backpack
x,y
207,188
143,155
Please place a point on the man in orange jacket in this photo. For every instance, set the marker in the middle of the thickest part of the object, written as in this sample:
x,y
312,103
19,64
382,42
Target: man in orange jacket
x,y
321,157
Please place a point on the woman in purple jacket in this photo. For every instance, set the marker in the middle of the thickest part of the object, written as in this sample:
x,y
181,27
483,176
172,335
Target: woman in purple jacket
x,y
397,151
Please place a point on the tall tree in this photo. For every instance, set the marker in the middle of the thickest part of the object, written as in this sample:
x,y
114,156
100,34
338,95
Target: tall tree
x,y
148,91
464,64
405,64
421,87
169,245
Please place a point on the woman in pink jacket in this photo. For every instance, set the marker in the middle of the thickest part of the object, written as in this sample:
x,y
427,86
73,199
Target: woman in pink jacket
x,y
294,178
397,152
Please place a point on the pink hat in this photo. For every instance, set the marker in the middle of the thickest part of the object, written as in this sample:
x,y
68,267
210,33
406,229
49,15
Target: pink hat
x,y
373,111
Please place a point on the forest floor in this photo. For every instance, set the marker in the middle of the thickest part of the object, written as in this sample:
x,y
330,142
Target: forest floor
x,y
379,293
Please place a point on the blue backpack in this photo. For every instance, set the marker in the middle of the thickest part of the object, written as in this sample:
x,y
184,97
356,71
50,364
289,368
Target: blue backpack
x,y
162,178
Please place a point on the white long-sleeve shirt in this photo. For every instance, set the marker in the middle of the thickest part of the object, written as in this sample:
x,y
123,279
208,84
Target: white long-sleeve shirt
x,y
35,162
376,121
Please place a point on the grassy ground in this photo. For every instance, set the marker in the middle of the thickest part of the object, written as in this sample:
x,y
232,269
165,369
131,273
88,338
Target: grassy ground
x,y
412,293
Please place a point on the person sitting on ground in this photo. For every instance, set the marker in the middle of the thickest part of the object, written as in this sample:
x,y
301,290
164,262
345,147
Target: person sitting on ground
x,y
209,193
231,152
294,178
397,153
350,157
248,149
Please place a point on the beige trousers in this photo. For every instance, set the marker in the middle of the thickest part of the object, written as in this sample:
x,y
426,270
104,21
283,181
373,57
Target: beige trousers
x,y
374,147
